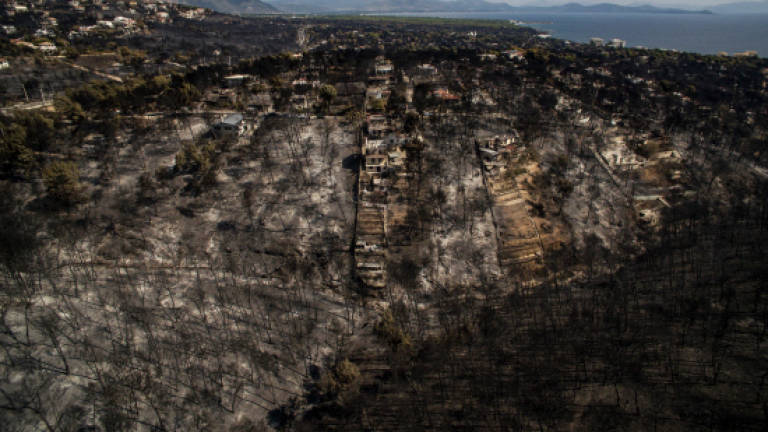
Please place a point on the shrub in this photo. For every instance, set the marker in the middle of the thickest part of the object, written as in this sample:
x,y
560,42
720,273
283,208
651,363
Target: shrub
x,y
327,94
14,154
346,372
39,129
388,330
69,109
62,182
193,158
343,377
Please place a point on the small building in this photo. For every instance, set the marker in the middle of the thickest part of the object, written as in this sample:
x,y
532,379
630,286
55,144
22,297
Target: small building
x,y
377,92
303,85
617,43
122,21
377,127
377,153
746,54
383,68
300,102
231,125
376,163
367,246
427,69
42,32
372,273
377,119
397,157
4,64
395,140
236,80
261,103
495,142
668,156
596,41
444,95
377,131
513,54
379,80
47,47
488,154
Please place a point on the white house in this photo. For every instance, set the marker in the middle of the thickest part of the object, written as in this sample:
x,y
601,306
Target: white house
x,y
231,125
617,43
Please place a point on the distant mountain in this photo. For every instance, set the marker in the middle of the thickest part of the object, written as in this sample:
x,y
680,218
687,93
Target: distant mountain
x,y
371,6
742,7
233,6
393,6
614,8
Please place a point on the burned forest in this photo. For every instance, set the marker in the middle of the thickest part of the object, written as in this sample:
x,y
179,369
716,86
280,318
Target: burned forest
x,y
229,223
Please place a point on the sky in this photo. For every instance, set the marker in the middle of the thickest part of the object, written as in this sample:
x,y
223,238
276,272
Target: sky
x,y
687,4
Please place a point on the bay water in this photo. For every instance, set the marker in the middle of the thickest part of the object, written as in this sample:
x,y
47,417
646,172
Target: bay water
x,y
699,33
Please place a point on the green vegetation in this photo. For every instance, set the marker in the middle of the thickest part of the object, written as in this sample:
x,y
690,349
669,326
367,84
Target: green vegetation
x,y
62,181
391,333
135,95
39,129
327,93
340,381
201,160
132,57
22,138
14,153
193,158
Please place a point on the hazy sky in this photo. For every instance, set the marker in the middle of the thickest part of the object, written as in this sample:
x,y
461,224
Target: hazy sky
x,y
688,4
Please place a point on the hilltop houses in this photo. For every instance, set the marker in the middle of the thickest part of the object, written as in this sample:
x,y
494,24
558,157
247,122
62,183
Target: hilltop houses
x,y
617,43
383,67
230,126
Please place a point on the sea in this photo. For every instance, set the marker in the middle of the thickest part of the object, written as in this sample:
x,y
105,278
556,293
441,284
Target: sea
x,y
699,33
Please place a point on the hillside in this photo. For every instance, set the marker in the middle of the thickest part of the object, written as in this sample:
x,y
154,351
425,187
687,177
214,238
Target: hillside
x,y
748,7
614,8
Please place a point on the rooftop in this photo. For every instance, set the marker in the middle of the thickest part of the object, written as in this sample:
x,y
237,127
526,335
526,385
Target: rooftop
x,y
233,119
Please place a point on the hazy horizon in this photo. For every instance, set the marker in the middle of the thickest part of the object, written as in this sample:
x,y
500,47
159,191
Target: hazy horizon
x,y
681,4
687,4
